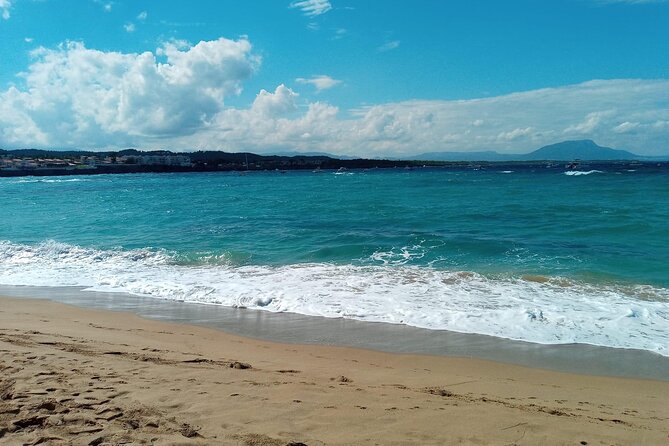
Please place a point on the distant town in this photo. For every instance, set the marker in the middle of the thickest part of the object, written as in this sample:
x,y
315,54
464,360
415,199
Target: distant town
x,y
69,160
45,163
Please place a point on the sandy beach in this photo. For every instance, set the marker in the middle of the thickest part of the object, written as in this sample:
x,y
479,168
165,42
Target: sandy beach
x,y
85,377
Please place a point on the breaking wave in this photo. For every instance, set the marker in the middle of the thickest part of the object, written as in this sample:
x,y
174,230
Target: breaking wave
x,y
548,310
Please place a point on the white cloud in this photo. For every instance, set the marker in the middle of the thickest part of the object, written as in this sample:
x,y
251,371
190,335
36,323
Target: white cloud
x,y
514,134
276,104
28,40
591,122
267,126
312,8
388,46
320,82
80,97
77,96
626,127
517,122
511,123
130,27
5,6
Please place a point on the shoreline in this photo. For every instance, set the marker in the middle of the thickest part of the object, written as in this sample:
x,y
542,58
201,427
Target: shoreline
x,y
292,328
82,376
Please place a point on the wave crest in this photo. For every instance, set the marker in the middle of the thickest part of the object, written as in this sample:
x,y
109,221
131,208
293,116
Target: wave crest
x,y
550,310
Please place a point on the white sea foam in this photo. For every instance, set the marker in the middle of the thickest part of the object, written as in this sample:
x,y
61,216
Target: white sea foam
x,y
542,310
49,180
577,173
400,256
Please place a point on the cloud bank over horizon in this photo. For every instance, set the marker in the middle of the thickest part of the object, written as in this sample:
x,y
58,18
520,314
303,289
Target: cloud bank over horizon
x,y
176,97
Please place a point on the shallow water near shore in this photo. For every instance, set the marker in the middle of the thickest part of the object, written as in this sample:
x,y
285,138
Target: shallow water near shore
x,y
544,256
299,329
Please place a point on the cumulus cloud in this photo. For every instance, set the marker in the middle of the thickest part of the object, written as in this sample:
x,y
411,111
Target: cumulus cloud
x,y
514,123
129,27
142,16
268,126
312,8
175,97
320,82
591,122
276,104
79,96
5,6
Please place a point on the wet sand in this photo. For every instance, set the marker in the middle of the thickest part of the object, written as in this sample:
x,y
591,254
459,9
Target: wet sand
x,y
393,338
92,377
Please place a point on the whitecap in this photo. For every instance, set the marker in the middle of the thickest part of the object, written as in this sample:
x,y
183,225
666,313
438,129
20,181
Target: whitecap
x,y
577,173
552,310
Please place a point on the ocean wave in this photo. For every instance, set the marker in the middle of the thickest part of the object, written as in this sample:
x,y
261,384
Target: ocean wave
x,y
48,180
577,173
400,256
548,310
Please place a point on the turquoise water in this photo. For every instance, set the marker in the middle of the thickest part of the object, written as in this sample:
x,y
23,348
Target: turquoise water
x,y
536,255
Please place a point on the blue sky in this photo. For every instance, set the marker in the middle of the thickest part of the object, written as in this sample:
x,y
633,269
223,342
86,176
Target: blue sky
x,y
367,78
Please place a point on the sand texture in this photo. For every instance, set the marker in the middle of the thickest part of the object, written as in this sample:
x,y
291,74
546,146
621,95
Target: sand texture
x,y
82,377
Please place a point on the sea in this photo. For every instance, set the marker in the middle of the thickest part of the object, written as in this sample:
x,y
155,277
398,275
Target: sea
x,y
546,255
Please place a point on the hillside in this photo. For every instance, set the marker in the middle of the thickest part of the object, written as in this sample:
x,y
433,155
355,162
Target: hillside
x,y
585,149
563,151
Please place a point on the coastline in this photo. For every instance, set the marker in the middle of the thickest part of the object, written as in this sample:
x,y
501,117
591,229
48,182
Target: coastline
x,y
293,328
82,376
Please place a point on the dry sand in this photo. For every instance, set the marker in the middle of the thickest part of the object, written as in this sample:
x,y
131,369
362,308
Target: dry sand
x,y
83,377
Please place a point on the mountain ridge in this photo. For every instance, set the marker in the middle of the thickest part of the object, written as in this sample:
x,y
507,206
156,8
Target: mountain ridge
x,y
570,150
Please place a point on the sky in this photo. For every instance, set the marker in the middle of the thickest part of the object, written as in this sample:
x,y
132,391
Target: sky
x,y
370,78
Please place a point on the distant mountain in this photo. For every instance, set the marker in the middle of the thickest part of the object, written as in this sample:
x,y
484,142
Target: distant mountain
x,y
584,149
563,151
